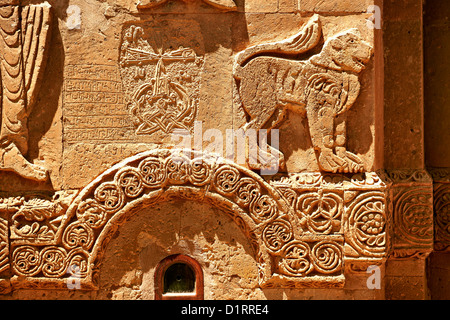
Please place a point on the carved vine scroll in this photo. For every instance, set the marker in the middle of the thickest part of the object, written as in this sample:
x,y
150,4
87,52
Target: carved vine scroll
x,y
302,228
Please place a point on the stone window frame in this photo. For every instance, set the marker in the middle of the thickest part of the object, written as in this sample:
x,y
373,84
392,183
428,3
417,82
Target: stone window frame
x,y
161,269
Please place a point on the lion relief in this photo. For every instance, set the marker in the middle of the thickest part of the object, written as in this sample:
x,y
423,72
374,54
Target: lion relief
x,y
322,88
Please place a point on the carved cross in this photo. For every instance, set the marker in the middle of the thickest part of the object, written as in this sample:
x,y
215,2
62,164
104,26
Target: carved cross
x,y
171,106
140,57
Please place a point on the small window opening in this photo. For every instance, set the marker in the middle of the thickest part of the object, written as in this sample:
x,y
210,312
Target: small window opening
x,y
178,277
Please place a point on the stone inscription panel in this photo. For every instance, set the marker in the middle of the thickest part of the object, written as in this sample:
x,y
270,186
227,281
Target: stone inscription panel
x,y
94,107
98,130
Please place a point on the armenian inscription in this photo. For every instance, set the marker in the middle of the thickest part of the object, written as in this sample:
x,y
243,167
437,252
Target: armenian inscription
x,y
94,108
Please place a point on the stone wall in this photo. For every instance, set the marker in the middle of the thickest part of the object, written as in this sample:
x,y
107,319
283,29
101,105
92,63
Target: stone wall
x,y
292,148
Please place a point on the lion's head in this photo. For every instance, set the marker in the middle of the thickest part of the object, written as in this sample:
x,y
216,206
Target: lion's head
x,y
345,51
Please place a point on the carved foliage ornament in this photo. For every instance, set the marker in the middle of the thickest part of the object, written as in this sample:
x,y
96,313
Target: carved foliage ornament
x,y
412,200
153,177
283,248
442,216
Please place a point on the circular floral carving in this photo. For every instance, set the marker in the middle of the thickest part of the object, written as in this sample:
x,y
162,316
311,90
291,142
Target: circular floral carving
x,y
247,191
367,222
53,262
131,181
413,214
320,213
110,196
153,172
327,257
78,234
442,216
263,208
92,214
226,180
370,223
26,261
77,264
177,169
295,261
200,172
276,234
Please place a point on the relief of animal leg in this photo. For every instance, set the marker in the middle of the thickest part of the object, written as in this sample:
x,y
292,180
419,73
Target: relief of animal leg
x,y
353,163
321,126
259,154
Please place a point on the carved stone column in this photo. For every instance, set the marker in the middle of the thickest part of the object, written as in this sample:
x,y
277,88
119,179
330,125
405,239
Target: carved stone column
x,y
412,211
438,270
404,158
437,138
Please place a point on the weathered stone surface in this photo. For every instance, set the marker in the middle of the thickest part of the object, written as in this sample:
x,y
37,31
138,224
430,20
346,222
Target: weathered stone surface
x,y
334,6
278,144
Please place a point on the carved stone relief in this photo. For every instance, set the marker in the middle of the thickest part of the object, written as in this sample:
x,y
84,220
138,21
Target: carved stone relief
x,y
162,81
412,200
227,5
25,32
441,206
322,88
305,228
301,228
4,245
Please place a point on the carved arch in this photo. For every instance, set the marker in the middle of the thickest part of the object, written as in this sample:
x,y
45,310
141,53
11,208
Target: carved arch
x,y
279,219
154,177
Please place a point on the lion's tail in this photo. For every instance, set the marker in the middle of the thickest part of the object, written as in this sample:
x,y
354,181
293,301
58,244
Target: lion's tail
x,y
306,39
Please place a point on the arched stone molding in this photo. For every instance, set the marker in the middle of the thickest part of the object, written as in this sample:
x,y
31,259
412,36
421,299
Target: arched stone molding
x,y
301,228
149,178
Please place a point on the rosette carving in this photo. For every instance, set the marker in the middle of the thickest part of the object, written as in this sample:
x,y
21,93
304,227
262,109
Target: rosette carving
x,y
442,216
200,172
226,180
263,208
153,172
130,180
295,259
77,263
110,196
26,261
177,170
366,225
91,213
413,216
54,261
327,257
247,192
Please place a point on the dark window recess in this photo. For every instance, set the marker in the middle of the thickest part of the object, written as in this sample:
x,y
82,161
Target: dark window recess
x,y
179,278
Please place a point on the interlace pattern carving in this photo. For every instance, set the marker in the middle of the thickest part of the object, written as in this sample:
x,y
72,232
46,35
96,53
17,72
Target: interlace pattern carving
x,y
297,226
165,97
